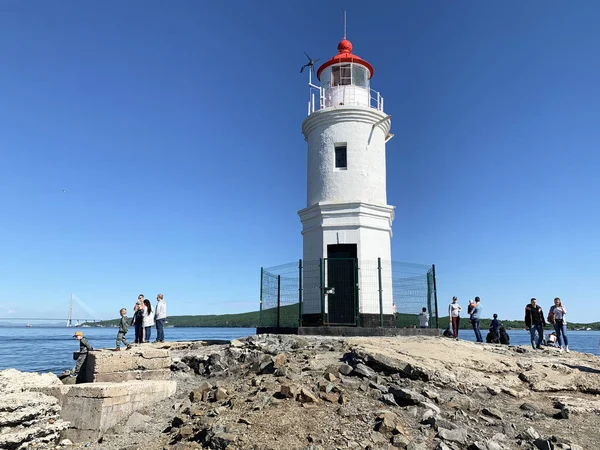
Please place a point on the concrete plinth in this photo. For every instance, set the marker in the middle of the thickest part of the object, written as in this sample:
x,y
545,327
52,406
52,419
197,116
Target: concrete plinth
x,y
93,408
139,363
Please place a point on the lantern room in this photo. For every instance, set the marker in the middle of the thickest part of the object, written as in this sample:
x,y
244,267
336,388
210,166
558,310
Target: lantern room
x,y
345,79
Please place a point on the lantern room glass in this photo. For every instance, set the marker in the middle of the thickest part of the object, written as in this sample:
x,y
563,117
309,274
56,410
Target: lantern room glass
x,y
345,74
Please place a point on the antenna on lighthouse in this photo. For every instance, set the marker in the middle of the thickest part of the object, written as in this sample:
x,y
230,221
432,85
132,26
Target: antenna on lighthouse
x,y
344,24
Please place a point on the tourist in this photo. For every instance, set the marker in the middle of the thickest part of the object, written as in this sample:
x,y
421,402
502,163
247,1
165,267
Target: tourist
x,y
535,323
557,312
123,329
84,346
138,319
454,314
493,336
495,324
159,318
471,306
475,317
504,337
551,339
148,320
424,318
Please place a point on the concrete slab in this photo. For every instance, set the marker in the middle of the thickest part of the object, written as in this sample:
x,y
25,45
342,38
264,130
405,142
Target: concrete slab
x,y
93,408
106,365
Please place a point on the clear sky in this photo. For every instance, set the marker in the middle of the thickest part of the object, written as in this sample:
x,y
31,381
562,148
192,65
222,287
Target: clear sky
x,y
150,146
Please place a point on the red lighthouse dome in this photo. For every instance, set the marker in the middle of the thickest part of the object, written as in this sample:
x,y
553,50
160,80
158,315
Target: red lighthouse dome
x,y
345,55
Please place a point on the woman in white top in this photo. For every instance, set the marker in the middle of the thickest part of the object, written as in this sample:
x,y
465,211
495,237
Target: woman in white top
x,y
560,323
454,313
148,320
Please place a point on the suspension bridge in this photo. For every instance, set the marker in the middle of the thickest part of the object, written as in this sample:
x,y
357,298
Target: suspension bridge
x,y
70,321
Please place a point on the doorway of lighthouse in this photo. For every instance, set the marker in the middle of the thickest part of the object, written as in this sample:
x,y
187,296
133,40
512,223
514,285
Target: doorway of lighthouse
x,y
342,284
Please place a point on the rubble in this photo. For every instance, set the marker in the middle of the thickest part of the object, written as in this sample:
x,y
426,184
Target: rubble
x,y
287,392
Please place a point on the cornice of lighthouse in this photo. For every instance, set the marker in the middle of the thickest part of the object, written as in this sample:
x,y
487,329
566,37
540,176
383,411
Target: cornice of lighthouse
x,y
342,113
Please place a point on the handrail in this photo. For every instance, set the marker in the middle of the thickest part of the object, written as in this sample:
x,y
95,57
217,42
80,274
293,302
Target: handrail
x,y
355,96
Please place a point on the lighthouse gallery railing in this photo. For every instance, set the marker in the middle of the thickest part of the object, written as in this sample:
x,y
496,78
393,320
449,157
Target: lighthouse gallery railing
x,y
325,97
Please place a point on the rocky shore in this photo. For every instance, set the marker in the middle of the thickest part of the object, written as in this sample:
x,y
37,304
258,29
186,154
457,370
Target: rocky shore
x,y
315,393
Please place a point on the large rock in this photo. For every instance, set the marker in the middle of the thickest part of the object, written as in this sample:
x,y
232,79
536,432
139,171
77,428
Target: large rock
x,y
28,418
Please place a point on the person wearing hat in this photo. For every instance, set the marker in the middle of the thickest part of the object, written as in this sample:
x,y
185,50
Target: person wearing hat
x,y
84,346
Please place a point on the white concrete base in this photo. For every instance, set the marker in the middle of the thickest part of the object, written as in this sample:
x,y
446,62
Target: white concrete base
x,y
93,408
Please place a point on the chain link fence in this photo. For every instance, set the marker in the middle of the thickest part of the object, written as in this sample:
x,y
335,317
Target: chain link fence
x,y
289,291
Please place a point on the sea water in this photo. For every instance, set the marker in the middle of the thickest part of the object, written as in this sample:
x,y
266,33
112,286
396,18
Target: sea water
x,y
46,349
579,341
49,349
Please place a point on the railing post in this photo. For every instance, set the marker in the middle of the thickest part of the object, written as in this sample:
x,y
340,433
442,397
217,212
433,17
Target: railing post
x,y
262,273
322,289
380,293
278,300
435,296
299,293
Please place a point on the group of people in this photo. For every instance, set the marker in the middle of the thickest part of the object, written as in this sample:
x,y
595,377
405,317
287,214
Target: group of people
x,y
535,322
144,318
474,310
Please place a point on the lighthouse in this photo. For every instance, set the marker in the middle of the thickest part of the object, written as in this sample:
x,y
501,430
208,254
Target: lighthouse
x,y
347,222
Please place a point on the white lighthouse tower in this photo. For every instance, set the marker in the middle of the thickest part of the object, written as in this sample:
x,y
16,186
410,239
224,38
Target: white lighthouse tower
x,y
347,223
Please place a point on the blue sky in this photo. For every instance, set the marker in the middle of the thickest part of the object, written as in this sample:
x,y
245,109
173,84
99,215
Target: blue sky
x,y
174,128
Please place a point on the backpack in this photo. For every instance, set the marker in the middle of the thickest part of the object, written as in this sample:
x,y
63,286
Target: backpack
x,y
504,337
551,318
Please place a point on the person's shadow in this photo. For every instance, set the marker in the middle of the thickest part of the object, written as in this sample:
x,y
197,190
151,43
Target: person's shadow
x,y
584,369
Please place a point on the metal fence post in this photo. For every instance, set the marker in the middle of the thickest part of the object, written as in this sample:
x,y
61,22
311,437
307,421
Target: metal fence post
x,y
380,293
356,293
299,292
278,300
322,289
437,325
262,272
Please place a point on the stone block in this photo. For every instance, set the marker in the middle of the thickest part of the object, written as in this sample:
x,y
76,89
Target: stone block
x,y
96,407
138,358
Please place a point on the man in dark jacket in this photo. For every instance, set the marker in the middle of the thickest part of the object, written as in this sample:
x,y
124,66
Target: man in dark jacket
x,y
535,322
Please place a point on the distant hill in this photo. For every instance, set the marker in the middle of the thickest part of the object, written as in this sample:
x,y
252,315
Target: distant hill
x,y
289,317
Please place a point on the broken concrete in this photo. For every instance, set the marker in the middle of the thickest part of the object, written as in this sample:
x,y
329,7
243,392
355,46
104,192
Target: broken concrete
x,y
139,363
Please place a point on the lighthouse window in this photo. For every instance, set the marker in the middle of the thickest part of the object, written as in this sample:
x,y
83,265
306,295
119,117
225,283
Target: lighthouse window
x,y
341,75
341,161
359,76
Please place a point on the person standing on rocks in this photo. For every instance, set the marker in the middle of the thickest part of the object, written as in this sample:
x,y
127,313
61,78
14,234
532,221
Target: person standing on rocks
x,y
84,347
475,318
534,322
454,314
424,318
123,329
558,311
138,319
148,321
160,317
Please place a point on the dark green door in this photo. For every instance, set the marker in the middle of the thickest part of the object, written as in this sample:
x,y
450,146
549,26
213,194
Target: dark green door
x,y
341,265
